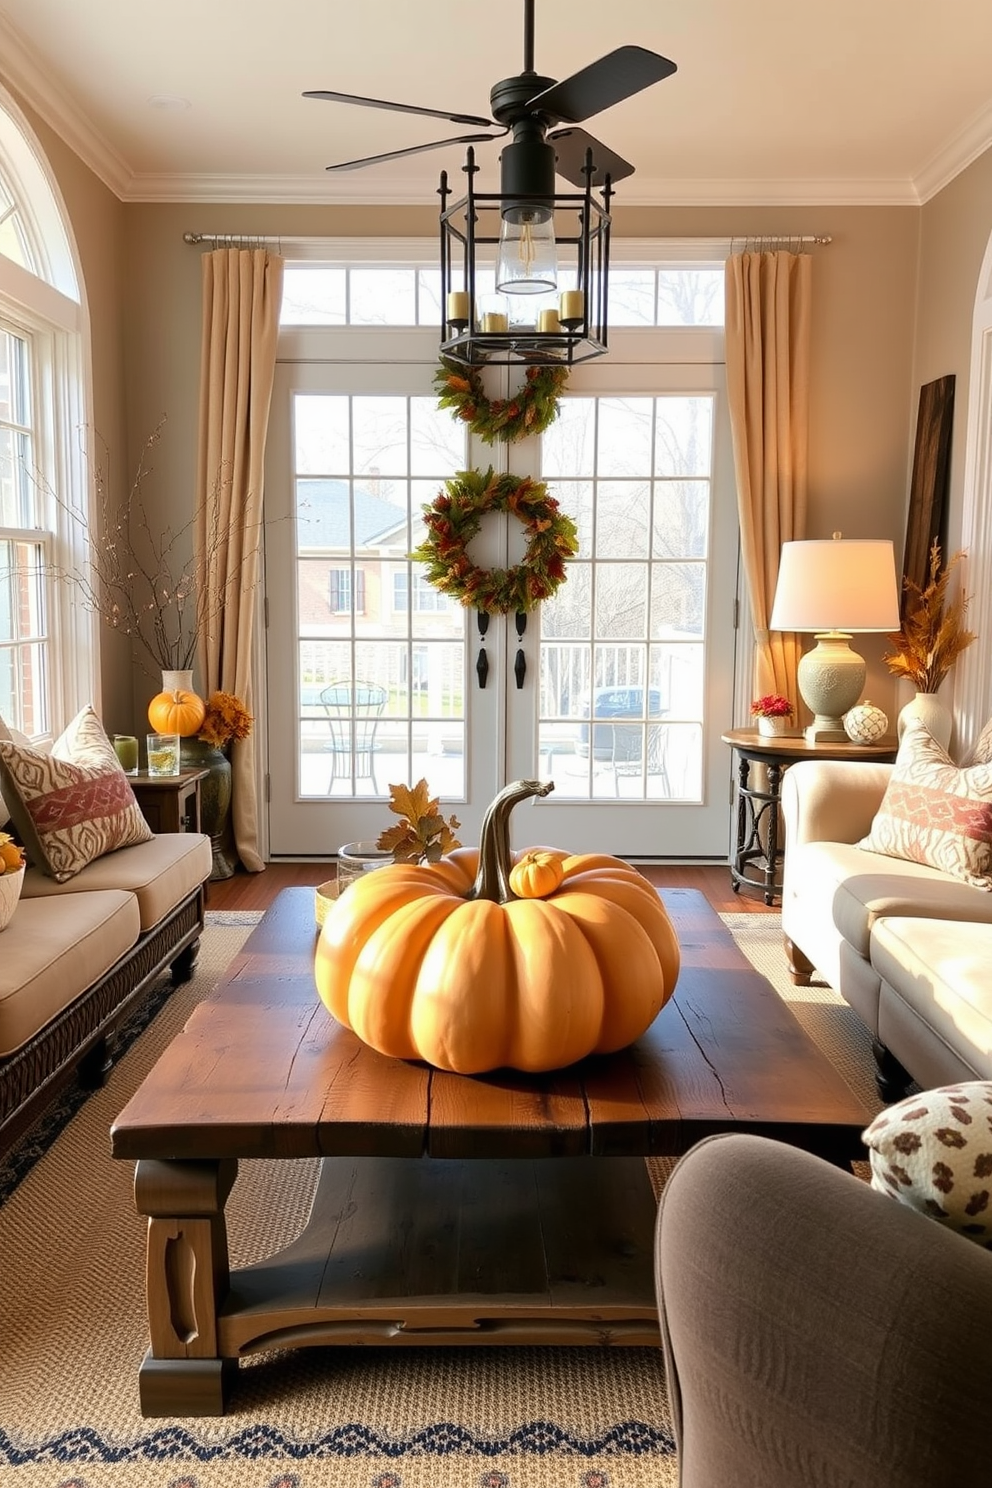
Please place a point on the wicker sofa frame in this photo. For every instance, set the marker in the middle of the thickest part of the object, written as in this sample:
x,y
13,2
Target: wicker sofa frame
x,y
79,1042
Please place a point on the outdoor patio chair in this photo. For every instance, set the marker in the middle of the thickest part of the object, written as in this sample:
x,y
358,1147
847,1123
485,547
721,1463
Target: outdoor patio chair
x,y
353,710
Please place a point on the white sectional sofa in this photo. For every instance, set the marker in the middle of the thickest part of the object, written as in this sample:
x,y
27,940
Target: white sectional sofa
x,y
907,945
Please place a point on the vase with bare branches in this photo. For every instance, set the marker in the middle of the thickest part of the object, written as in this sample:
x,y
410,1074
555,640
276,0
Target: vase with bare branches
x,y
145,582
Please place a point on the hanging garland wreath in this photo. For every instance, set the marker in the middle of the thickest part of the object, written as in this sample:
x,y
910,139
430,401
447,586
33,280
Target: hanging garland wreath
x,y
455,516
531,409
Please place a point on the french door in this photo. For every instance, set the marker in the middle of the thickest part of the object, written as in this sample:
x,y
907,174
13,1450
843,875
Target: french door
x,y
618,687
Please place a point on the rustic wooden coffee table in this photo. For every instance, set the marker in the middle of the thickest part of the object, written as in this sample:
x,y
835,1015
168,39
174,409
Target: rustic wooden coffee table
x,y
528,1216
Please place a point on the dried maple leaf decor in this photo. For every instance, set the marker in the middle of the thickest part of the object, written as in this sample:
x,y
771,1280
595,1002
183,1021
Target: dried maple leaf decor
x,y
423,835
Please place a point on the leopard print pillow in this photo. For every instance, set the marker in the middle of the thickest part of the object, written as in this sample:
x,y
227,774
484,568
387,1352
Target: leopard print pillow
x,y
933,1151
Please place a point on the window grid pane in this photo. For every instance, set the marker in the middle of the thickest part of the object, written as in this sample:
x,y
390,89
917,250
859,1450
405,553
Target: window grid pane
x,y
403,295
381,672
622,655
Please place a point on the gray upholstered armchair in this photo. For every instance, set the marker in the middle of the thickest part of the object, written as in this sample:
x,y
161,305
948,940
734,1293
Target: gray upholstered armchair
x,y
816,1332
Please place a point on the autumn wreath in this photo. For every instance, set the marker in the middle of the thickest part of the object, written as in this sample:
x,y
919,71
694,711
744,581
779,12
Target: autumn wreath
x,y
531,409
455,516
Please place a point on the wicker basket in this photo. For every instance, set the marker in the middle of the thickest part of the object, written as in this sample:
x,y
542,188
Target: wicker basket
x,y
324,896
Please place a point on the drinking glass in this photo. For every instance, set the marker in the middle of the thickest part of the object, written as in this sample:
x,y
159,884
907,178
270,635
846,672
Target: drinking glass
x,y
163,754
126,750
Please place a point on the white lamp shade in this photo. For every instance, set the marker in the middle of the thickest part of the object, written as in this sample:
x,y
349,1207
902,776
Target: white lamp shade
x,y
838,584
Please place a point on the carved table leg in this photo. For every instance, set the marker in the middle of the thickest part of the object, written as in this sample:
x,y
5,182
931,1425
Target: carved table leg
x,y
186,1280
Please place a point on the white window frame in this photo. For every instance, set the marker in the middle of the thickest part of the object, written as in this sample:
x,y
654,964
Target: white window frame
x,y
50,313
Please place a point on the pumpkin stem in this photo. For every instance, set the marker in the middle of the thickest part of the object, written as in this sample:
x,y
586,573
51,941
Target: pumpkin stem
x,y
493,881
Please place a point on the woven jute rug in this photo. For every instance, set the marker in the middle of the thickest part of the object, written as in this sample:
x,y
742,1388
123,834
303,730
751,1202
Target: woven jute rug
x,y
73,1331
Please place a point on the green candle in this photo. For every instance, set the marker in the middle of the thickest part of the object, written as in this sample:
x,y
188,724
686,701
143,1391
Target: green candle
x,y
126,749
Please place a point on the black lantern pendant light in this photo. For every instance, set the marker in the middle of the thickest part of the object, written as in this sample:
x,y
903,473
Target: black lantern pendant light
x,y
524,270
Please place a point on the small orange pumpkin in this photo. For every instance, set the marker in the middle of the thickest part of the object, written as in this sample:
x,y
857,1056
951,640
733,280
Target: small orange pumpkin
x,y
447,962
177,712
536,873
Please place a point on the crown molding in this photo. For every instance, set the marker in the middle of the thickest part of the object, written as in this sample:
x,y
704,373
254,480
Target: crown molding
x,y
25,73
380,191
956,155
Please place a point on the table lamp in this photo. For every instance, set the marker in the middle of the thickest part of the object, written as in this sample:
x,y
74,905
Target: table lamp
x,y
834,588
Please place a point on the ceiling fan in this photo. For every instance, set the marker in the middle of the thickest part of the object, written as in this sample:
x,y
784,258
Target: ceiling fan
x,y
530,106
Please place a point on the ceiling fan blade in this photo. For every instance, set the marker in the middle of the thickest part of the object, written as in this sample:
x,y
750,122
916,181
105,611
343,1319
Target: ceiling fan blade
x,y
571,146
599,86
400,108
460,139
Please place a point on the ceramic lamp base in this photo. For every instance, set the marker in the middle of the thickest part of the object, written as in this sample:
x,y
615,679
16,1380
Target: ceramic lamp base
x,y
830,677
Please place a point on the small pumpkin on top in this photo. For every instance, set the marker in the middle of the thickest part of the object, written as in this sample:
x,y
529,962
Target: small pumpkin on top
x,y
481,960
178,711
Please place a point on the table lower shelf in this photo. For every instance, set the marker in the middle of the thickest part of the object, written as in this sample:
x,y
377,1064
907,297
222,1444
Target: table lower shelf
x,y
429,1252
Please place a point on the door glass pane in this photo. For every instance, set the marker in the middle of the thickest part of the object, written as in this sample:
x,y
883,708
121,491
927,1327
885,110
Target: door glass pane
x,y
622,643
381,672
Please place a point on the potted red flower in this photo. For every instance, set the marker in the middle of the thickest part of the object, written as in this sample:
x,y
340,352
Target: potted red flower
x,y
773,712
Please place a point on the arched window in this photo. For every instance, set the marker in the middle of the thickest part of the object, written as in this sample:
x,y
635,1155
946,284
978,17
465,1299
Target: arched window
x,y
47,652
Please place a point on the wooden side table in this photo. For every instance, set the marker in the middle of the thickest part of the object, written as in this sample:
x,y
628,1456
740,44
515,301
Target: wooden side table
x,y
757,859
169,803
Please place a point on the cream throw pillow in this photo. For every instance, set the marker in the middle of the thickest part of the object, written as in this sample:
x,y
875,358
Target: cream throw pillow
x,y
933,1151
936,813
73,805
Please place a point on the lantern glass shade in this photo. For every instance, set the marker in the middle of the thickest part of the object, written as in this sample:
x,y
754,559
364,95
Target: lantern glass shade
x,y
527,259
834,588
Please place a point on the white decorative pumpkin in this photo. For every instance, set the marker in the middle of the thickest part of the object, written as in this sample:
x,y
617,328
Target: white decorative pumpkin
x,y
865,724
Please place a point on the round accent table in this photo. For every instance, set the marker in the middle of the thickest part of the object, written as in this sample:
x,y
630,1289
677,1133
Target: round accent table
x,y
757,859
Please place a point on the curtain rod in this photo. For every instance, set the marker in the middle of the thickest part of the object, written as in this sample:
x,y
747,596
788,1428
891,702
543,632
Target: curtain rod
x,y
260,240
802,240
254,240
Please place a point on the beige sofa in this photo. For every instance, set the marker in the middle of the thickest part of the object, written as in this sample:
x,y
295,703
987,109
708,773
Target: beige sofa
x,y
909,947
77,956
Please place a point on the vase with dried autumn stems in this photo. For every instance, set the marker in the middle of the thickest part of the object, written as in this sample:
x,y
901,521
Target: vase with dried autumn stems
x,y
226,718
929,641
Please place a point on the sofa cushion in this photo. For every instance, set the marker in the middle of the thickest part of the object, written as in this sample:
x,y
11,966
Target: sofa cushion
x,y
934,812
857,888
161,873
933,1151
74,805
937,971
49,959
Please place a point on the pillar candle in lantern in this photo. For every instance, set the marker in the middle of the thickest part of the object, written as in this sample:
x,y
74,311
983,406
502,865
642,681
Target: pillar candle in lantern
x,y
573,305
458,306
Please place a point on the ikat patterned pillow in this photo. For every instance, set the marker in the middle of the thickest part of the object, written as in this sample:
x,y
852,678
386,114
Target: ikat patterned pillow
x,y
933,1151
936,813
73,805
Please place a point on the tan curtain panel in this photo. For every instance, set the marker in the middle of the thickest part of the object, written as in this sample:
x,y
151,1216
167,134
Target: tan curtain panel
x,y
242,290
768,351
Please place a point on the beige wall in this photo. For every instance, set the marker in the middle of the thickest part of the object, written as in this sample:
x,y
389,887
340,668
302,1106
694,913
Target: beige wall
x,y
143,293
864,294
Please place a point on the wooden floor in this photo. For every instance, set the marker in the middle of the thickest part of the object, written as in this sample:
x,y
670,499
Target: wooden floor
x,y
257,890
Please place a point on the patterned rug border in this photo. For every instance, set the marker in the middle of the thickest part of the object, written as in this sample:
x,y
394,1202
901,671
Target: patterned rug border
x,y
82,1445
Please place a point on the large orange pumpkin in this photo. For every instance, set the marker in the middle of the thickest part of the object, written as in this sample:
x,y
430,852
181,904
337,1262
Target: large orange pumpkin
x,y
177,712
443,962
